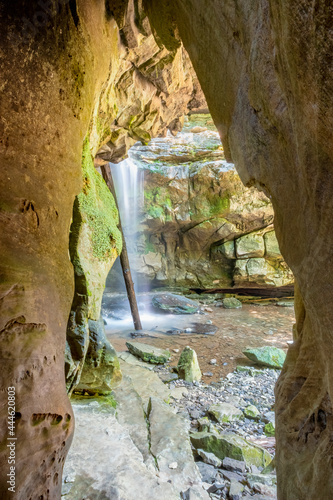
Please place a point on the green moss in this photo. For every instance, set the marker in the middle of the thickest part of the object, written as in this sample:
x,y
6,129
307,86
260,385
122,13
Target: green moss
x,y
158,203
98,209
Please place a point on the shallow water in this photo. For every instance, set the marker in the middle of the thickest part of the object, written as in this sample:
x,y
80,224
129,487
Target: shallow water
x,y
252,325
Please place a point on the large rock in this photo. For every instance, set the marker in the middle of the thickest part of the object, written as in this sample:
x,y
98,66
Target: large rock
x,y
175,304
101,370
149,353
273,357
261,272
250,245
231,445
188,367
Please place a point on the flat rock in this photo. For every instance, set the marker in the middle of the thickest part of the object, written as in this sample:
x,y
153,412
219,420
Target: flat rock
x,y
209,458
272,357
231,445
203,328
149,353
208,472
175,304
234,465
267,479
133,360
225,412
169,444
106,463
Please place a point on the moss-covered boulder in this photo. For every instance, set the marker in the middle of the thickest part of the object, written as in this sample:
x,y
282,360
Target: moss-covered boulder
x,y
252,412
101,370
175,304
225,412
188,367
273,357
94,244
149,353
231,303
231,445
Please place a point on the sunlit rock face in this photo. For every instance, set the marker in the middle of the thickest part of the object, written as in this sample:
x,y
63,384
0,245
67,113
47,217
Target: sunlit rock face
x,y
194,212
265,69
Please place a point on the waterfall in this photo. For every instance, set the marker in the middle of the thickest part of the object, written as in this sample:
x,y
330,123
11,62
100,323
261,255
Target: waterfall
x,y
128,182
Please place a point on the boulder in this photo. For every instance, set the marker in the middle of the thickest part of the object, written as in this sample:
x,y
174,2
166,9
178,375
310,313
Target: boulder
x,y
101,370
250,245
225,412
272,249
231,445
231,303
261,272
209,458
175,304
188,367
149,353
252,412
273,357
269,429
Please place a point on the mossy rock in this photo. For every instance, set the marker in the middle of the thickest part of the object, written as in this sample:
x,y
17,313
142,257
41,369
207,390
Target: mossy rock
x,y
231,303
149,353
175,304
225,412
273,357
188,367
252,412
231,445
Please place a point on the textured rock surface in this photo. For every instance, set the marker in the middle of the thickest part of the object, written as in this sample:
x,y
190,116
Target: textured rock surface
x,y
94,243
266,356
225,412
232,446
149,353
188,367
175,304
65,70
273,109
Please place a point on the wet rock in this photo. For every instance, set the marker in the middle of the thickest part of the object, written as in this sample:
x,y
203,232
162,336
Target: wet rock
x,y
225,412
231,445
231,303
234,465
266,356
252,412
209,458
174,304
204,329
148,353
188,367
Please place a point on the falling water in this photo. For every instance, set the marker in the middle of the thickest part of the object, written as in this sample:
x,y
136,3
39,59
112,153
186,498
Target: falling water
x,y
128,181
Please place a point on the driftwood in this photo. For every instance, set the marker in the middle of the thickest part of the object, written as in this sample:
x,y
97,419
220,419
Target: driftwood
x,y
107,176
269,292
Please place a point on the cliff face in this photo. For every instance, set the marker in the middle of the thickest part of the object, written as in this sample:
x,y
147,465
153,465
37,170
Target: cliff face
x,y
266,70
198,224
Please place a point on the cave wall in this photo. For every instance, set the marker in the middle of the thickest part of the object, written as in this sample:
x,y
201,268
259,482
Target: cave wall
x,y
58,62
266,70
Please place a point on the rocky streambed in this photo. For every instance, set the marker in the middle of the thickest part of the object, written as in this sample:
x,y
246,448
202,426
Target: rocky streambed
x,y
158,436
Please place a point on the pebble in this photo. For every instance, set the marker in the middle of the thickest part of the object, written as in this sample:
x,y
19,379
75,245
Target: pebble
x,y
173,465
213,361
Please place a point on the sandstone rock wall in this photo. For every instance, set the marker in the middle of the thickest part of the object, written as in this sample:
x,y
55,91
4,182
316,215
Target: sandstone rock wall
x,y
59,64
266,70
